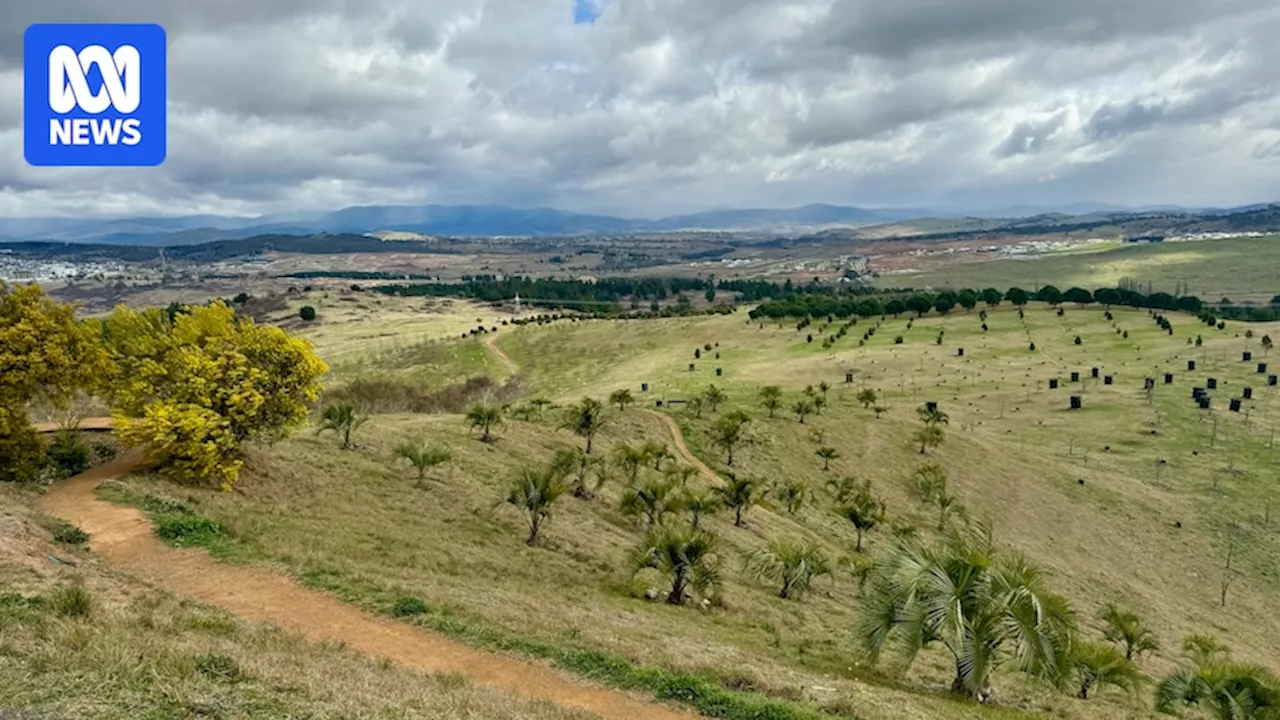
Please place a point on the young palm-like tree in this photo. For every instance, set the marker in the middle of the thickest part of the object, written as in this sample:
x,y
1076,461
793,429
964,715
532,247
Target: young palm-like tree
x,y
986,609
580,468
929,436
791,565
622,398
714,396
948,506
1225,689
696,404
1097,666
534,492
793,494
931,482
1127,630
630,460
824,387
771,398
728,433
686,556
802,409
343,419
423,457
585,420
652,499
699,504
879,410
819,404
656,452
827,454
486,418
739,494
864,511
844,488
681,474
867,397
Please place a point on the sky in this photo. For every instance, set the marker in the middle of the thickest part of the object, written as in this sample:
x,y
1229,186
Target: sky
x,y
646,108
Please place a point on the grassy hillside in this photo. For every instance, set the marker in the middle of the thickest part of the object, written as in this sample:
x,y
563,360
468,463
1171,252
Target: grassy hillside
x,y
1130,499
79,640
1237,268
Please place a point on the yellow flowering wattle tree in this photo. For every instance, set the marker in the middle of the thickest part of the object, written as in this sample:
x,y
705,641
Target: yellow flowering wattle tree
x,y
45,354
195,386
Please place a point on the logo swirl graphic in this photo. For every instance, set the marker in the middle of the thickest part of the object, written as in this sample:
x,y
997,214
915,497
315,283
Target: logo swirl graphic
x,y
69,84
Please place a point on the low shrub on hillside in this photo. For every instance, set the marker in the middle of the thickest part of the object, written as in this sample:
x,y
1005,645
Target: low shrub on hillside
x,y
386,395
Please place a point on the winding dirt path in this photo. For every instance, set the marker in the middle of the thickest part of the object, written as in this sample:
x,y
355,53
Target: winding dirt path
x,y
673,428
491,342
678,438
125,538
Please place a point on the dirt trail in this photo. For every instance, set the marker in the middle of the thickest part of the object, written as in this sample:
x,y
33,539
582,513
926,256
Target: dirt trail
x,y
125,538
491,342
674,428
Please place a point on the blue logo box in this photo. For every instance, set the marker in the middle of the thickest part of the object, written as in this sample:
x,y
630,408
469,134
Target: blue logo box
x,y
94,95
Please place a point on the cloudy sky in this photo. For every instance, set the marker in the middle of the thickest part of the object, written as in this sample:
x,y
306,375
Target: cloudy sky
x,y
649,107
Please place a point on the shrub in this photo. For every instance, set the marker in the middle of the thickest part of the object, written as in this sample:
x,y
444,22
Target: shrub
x,y
408,607
71,601
68,453
103,451
307,313
68,534
897,340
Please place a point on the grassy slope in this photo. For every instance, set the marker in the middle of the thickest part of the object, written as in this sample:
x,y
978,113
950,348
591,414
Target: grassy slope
x,y
143,654
351,522
1238,268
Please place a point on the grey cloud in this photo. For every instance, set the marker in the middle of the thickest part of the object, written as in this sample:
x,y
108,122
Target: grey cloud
x,y
679,104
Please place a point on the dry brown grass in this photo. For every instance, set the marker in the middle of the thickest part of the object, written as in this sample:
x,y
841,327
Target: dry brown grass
x,y
351,521
141,653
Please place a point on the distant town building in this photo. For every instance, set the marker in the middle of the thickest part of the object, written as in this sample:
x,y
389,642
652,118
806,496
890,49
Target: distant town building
x,y
1148,238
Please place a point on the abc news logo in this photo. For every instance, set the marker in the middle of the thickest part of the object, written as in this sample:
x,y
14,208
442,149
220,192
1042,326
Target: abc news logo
x,y
95,95
69,89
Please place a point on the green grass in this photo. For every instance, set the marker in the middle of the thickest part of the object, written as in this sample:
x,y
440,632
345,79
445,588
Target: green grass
x,y
350,522
1236,268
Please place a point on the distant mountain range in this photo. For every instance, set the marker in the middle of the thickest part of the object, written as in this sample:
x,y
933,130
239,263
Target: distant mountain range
x,y
504,221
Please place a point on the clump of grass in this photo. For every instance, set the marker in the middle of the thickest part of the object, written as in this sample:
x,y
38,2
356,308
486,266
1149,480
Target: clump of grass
x,y
73,601
189,531
66,533
408,607
219,667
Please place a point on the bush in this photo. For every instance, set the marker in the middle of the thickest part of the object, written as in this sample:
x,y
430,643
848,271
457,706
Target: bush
x,y
381,395
408,607
71,601
68,453
307,313
897,340
21,453
68,534
103,451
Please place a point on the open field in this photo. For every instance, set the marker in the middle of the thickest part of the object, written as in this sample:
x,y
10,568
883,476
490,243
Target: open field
x,y
1238,268
1129,499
